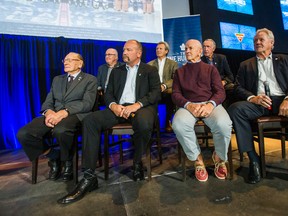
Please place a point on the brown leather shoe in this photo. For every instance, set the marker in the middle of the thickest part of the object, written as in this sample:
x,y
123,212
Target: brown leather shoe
x,y
168,128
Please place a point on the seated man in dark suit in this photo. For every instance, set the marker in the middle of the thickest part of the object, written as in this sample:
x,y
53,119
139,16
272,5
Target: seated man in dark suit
x,y
132,95
218,60
265,70
221,63
70,99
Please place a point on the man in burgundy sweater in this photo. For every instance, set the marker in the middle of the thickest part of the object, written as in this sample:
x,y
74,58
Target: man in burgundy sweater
x,y
198,92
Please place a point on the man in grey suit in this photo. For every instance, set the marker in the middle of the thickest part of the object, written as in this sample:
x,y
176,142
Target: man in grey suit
x,y
71,98
166,69
253,74
134,89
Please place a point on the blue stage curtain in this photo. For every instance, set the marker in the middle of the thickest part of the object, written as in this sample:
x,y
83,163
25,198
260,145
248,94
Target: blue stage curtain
x,y
28,65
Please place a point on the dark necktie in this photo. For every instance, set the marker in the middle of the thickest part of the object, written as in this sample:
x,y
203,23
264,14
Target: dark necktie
x,y
70,80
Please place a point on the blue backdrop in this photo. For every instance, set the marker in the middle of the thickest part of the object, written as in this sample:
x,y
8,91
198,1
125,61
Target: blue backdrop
x,y
28,65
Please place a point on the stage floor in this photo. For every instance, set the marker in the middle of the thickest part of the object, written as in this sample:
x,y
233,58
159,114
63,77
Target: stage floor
x,y
165,195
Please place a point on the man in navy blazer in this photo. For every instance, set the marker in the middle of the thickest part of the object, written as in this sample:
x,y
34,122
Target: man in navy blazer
x,y
218,60
265,69
70,99
133,89
221,63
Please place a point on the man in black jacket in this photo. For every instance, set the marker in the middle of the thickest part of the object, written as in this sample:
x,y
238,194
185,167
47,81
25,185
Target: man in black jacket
x,y
253,74
134,89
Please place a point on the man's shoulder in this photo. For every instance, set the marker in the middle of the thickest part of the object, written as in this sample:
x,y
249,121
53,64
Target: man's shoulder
x,y
248,61
147,66
152,62
103,66
170,61
87,76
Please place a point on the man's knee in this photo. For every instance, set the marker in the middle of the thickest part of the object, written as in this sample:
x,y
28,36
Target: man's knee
x,y
21,134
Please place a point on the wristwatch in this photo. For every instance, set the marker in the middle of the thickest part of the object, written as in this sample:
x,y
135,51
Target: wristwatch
x,y
66,110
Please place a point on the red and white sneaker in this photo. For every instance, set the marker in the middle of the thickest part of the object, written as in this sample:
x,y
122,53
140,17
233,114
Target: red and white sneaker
x,y
200,173
220,169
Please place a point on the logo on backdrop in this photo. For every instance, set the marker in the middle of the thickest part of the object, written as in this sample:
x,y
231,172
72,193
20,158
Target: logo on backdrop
x,y
177,31
240,36
179,55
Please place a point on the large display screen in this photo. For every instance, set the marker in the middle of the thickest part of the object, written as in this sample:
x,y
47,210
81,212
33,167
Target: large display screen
x,y
240,6
235,36
284,10
113,20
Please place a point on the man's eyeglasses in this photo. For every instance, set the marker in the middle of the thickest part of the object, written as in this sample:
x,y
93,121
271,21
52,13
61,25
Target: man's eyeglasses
x,y
69,60
109,54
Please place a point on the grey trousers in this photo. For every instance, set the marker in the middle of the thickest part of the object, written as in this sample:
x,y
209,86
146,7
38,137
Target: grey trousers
x,y
219,123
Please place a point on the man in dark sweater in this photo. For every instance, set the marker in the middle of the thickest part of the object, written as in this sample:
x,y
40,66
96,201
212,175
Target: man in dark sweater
x,y
198,92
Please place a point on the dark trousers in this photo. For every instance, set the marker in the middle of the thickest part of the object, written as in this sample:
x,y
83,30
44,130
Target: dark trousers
x,y
170,107
242,113
96,122
31,136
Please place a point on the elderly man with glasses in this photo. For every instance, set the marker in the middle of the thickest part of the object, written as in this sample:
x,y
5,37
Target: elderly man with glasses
x,y
70,99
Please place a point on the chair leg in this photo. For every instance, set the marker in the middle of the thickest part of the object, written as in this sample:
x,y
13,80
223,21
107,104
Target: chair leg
x,y
230,162
241,157
106,154
75,161
100,157
261,149
283,139
183,163
34,170
159,147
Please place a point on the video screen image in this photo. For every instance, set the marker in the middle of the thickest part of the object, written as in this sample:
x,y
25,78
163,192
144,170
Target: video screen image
x,y
239,6
235,36
113,20
284,10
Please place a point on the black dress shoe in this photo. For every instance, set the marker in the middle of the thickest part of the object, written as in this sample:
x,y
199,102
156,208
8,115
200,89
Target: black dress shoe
x,y
254,173
55,169
138,172
68,171
84,186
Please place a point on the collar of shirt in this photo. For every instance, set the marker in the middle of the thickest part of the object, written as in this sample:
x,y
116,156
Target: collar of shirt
x,y
268,57
74,75
189,62
161,60
135,66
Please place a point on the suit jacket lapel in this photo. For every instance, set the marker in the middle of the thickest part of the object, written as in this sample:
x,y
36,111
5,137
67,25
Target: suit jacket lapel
x,y
255,71
64,84
138,79
275,65
76,81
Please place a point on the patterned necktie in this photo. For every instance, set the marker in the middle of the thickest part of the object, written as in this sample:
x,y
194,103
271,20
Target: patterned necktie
x,y
70,80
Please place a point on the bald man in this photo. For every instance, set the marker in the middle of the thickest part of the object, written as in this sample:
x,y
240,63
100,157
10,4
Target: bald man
x,y
198,92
